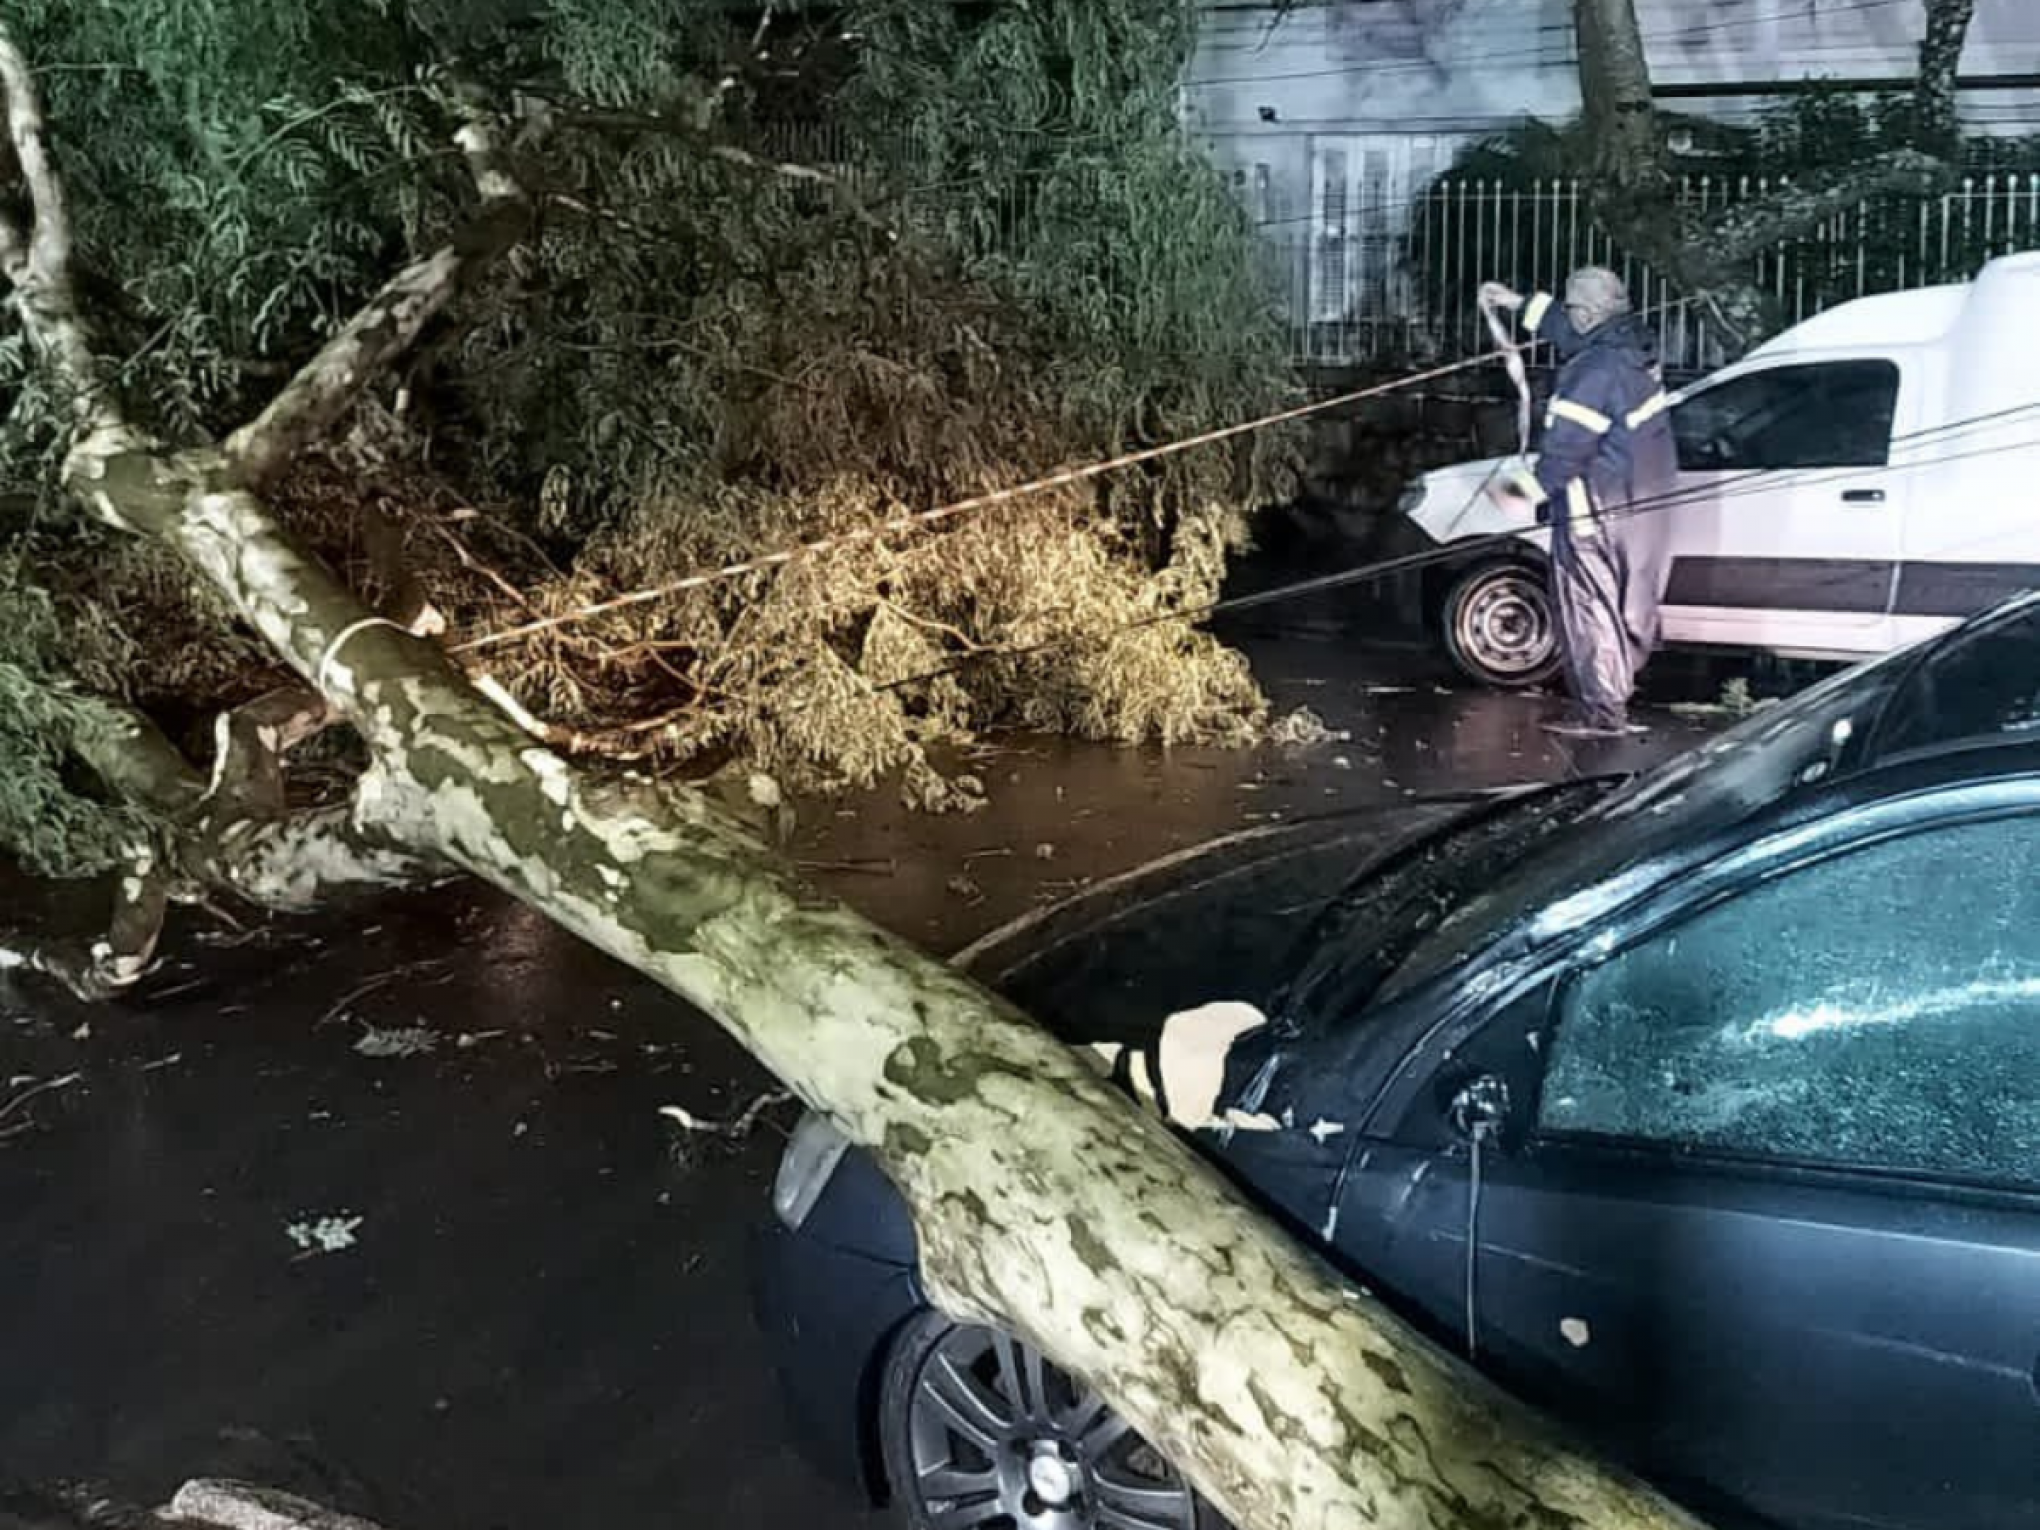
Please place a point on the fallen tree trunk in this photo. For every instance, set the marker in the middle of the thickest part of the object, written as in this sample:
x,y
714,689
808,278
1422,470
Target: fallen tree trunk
x,y
1043,1200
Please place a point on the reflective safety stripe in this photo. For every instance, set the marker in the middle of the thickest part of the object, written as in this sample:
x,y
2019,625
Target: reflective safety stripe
x,y
1584,522
1580,414
1535,310
1648,410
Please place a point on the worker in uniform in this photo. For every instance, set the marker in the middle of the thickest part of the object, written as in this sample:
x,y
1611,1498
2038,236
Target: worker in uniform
x,y
1606,466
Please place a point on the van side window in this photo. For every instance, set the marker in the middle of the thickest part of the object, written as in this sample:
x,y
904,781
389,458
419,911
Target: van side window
x,y
1829,414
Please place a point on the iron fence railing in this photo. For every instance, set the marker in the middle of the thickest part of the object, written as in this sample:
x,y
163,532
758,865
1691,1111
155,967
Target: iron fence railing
x,y
1367,281
1460,233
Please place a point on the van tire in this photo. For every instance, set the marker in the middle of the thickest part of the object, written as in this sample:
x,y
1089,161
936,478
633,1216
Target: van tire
x,y
1500,625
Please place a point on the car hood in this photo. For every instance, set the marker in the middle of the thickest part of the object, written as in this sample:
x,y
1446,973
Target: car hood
x,y
1217,921
1450,504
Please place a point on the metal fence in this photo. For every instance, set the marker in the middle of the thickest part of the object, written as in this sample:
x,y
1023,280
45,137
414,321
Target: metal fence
x,y
1371,279
1377,285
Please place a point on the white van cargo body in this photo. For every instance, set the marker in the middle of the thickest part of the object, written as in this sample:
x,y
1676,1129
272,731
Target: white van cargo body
x,y
1866,479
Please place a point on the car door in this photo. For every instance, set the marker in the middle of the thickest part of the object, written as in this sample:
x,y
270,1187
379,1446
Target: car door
x,y
1788,517
1772,1229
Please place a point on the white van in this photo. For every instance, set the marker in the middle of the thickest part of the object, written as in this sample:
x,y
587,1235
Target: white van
x,y
1866,479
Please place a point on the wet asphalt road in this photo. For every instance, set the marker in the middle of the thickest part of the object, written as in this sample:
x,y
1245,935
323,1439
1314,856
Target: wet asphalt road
x,y
543,1320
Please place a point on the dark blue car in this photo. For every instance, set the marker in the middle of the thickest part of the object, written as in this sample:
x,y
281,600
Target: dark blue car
x,y
1701,1107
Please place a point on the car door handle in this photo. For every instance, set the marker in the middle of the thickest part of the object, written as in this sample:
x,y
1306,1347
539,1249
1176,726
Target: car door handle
x,y
1862,496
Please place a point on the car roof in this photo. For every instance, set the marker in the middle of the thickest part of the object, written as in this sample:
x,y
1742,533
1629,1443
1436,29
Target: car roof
x,y
1890,319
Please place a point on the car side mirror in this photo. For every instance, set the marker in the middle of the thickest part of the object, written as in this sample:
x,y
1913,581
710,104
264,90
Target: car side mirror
x,y
1479,1108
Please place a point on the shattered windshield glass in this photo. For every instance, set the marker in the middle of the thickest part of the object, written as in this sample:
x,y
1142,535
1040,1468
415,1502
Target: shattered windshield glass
x,y
1427,913
1374,924
1608,856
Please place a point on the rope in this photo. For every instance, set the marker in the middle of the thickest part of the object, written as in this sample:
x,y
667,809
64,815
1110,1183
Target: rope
x,y
921,518
1755,480
1512,359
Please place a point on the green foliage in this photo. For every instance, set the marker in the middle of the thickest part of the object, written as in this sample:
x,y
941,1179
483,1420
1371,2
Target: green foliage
x,y
1052,132
51,820
239,174
698,358
1831,127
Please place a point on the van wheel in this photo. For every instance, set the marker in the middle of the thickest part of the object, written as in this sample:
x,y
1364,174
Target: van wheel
x,y
1500,626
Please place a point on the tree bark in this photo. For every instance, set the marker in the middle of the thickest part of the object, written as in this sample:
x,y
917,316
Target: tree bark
x,y
208,1503
233,831
1043,1200
1615,91
1708,259
390,324
1936,105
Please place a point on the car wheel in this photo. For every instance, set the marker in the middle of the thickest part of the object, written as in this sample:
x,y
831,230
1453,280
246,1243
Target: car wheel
x,y
977,1429
1500,625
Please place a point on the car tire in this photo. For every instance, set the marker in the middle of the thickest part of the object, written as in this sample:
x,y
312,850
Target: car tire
x,y
967,1415
1500,624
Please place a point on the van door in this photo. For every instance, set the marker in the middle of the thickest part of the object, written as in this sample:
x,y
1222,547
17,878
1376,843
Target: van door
x,y
1788,514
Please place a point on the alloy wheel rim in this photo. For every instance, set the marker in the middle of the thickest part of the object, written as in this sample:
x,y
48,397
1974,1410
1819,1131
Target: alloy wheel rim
x,y
1003,1440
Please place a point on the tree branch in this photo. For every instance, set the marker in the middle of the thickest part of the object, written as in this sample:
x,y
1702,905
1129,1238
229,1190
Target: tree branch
x,y
37,259
605,119
204,1503
1742,232
323,391
217,1504
233,833
1936,103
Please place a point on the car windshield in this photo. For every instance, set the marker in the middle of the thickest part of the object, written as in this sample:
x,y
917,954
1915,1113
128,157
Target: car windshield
x,y
1458,891
1379,919
1610,852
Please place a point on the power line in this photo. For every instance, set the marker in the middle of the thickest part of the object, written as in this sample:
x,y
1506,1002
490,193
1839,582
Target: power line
x,y
1757,480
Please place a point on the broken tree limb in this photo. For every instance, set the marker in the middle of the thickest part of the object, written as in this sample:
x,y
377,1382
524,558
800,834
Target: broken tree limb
x,y
204,1503
1743,231
231,831
321,394
1042,1199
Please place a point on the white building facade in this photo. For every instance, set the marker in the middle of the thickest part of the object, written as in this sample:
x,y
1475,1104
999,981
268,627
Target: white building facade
x,y
1332,118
